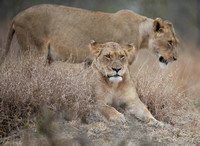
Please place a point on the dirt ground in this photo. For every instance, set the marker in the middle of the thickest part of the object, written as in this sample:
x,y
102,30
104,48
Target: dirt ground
x,y
133,132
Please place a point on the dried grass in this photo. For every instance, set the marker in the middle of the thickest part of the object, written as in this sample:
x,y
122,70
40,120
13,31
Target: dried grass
x,y
166,91
159,90
26,84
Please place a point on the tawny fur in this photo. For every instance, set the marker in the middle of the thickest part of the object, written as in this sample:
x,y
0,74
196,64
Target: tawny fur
x,y
109,56
66,32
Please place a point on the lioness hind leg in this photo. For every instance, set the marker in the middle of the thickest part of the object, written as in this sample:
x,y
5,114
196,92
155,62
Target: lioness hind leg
x,y
46,52
47,55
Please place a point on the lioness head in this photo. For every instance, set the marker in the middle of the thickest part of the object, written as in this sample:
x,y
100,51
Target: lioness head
x,y
111,59
164,43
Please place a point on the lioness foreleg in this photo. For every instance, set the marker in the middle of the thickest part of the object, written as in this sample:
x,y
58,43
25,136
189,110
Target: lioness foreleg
x,y
138,109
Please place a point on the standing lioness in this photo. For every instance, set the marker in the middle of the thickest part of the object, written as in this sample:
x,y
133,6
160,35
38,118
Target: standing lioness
x,y
113,86
67,31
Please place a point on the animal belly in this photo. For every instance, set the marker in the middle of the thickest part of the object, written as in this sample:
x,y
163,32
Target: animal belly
x,y
58,53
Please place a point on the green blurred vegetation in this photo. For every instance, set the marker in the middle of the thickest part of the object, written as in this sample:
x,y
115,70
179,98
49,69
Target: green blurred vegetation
x,y
184,14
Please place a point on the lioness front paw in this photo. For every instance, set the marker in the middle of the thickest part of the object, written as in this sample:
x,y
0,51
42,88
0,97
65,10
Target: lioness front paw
x,y
156,123
119,118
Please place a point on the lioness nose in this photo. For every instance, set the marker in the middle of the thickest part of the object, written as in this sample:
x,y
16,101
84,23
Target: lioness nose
x,y
116,69
174,58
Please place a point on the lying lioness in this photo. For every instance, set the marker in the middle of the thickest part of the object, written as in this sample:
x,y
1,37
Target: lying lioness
x,y
67,31
113,85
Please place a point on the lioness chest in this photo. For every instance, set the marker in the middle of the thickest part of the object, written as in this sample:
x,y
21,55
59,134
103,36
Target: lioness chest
x,y
115,95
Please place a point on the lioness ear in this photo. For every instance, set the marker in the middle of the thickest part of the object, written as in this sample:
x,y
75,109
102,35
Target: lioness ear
x,y
95,48
129,49
158,25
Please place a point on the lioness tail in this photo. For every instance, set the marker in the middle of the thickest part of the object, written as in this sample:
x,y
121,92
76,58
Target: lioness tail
x,y
8,43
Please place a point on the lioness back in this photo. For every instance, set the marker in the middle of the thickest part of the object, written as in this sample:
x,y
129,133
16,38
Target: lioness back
x,y
69,30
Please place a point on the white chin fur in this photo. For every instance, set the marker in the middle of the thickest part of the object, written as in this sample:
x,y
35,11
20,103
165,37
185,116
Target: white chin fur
x,y
115,79
162,65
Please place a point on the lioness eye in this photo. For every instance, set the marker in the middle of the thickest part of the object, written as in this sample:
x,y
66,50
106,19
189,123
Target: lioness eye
x,y
107,56
170,43
121,56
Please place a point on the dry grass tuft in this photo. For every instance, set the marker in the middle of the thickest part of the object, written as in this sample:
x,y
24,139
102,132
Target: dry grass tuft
x,y
26,84
166,91
159,90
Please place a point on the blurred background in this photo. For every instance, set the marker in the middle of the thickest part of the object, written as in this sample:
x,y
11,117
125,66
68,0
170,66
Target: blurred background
x,y
184,14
